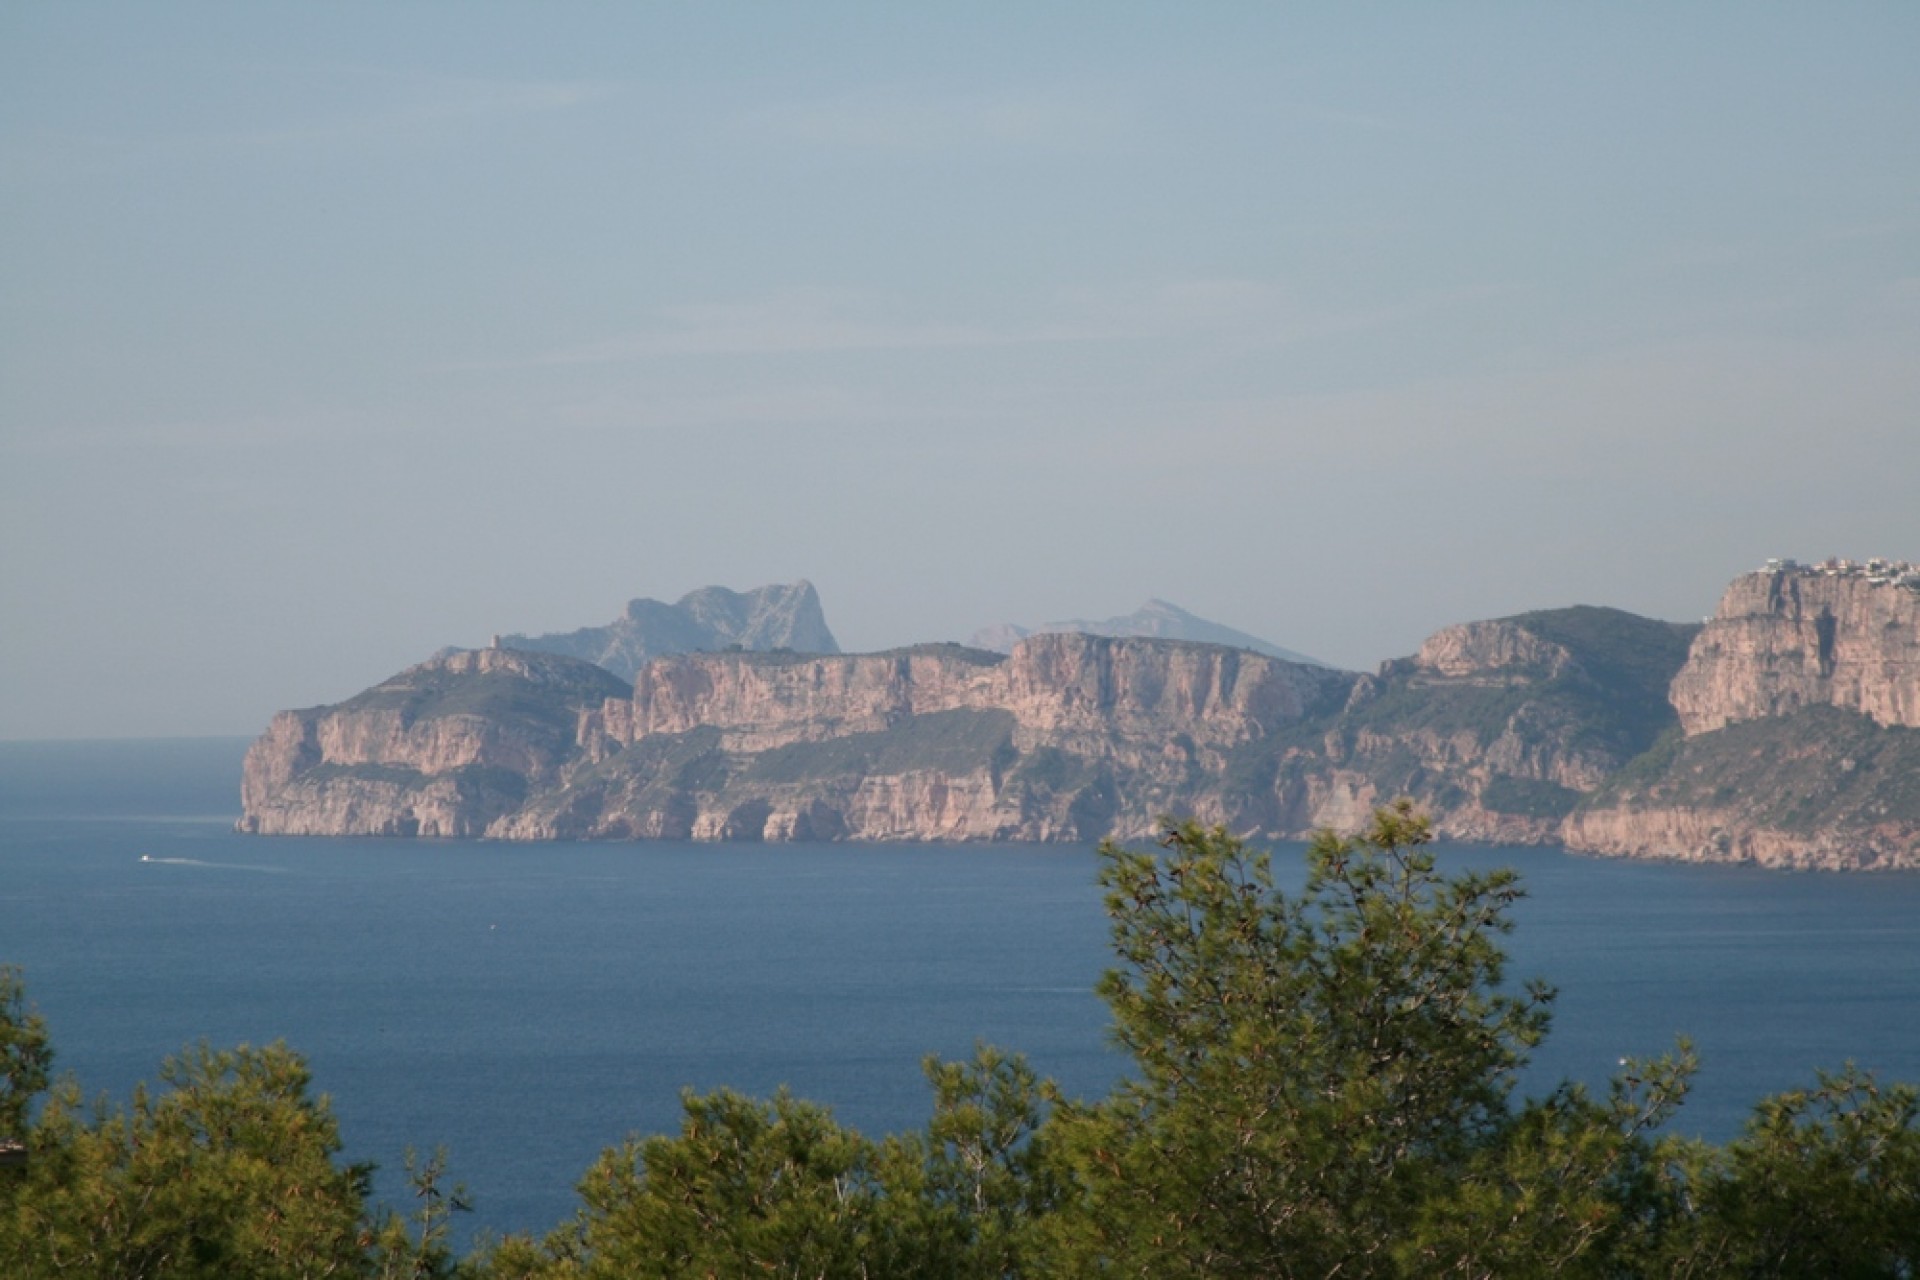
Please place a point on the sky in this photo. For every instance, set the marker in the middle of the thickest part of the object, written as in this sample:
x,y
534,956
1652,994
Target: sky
x,y
332,334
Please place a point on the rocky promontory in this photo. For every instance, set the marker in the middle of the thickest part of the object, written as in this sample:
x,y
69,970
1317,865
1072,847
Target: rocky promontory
x,y
1787,638
1782,733
1798,742
933,742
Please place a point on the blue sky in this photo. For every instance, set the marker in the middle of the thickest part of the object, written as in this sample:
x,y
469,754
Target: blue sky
x,y
331,334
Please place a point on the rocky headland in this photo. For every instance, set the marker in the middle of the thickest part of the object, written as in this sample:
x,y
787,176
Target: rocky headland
x,y
1798,735
1783,732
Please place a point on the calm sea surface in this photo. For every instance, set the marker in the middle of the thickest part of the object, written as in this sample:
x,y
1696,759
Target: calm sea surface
x,y
528,1005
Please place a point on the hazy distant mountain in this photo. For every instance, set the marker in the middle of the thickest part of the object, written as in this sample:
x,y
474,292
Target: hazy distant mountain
x,y
710,619
1156,619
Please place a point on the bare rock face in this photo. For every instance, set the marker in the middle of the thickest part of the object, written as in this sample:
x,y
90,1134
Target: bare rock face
x,y
1071,737
1784,639
1077,685
760,702
1792,738
1800,705
1497,729
444,748
1491,651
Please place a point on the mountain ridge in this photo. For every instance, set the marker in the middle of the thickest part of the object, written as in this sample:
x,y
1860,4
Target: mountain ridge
x,y
1587,727
785,616
1156,619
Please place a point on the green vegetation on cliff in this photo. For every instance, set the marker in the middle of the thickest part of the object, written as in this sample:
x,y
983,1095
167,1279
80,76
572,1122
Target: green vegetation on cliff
x,y
1817,769
955,742
534,696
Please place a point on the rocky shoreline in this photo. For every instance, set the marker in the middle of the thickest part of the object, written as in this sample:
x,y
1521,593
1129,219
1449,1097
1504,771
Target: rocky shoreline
x,y
1784,732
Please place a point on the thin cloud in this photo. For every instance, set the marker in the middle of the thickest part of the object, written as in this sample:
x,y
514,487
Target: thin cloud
x,y
774,326
370,106
409,106
914,121
1244,314
1872,230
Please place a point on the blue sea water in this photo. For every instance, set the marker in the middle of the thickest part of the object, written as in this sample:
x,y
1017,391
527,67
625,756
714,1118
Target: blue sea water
x,y
529,1005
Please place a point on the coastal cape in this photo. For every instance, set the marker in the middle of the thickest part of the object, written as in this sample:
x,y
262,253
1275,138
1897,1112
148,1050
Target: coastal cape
x,y
1786,731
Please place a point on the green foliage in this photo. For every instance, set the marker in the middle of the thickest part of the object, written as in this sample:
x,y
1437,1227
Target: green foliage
x,y
26,1055
418,1247
1322,1085
542,708
1049,769
1636,656
963,1197
228,1171
1818,768
1528,797
1823,1182
1307,1067
956,741
779,1188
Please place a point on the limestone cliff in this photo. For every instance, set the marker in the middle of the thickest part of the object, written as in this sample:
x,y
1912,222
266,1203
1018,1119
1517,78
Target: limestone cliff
x,y
1071,737
1788,738
1798,742
1497,728
442,749
1818,788
1784,639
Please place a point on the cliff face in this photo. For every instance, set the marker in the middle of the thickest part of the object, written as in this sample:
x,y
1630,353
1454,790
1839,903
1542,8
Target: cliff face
x,y
1799,737
1787,639
442,749
757,703
1549,727
1496,729
1815,788
1069,738
1072,736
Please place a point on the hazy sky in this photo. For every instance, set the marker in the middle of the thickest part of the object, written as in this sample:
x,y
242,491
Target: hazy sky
x,y
331,334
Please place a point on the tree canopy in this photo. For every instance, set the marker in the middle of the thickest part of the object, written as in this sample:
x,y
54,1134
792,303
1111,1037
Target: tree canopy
x,y
1323,1084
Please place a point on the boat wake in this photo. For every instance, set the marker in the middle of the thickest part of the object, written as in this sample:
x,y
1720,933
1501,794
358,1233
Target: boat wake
x,y
217,866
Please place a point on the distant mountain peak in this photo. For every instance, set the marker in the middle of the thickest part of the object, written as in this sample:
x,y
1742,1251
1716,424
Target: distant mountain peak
x,y
704,620
1157,618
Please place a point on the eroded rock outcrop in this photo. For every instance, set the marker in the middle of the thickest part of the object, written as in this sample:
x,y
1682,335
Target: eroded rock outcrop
x,y
1068,738
1799,731
1072,736
1784,639
445,748
1789,739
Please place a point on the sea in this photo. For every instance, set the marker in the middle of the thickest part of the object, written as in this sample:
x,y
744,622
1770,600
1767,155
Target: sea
x,y
525,1006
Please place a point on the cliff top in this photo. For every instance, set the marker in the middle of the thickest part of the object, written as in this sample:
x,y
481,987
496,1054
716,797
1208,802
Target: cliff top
x,y
489,682
1876,571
